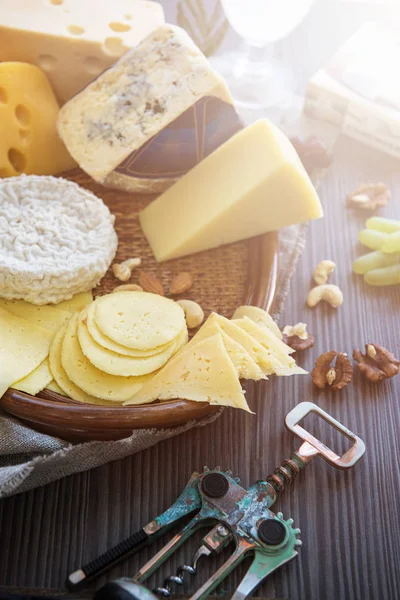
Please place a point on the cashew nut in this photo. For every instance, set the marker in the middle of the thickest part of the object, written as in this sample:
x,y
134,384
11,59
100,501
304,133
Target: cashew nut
x,y
129,287
323,270
193,313
329,292
299,330
123,271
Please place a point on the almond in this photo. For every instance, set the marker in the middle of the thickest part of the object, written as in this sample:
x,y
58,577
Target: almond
x,y
150,283
180,283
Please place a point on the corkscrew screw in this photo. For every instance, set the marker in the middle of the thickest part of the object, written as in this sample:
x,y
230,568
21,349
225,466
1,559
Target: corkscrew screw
x,y
232,514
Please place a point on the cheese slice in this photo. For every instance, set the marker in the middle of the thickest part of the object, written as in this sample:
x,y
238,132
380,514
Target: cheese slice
x,y
54,387
77,302
252,184
246,367
259,316
23,347
201,372
90,379
36,381
62,381
73,40
48,317
127,130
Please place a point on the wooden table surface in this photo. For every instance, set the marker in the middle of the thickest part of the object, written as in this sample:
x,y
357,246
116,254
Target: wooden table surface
x,y
349,520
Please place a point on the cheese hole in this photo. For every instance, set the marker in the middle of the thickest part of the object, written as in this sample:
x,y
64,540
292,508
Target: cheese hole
x,y
3,96
23,115
119,27
75,29
25,137
114,46
93,65
56,2
128,16
47,62
17,159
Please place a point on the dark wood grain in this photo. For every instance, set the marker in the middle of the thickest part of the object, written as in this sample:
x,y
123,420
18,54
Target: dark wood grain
x,y
350,521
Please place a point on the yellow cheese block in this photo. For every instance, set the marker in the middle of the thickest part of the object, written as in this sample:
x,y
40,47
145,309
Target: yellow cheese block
x,y
29,142
73,40
77,302
201,372
36,381
62,380
259,316
90,379
118,364
46,316
23,347
246,367
253,183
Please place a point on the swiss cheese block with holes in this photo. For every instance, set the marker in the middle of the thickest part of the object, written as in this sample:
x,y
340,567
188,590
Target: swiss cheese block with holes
x,y
253,183
139,320
73,40
151,117
200,372
119,364
29,142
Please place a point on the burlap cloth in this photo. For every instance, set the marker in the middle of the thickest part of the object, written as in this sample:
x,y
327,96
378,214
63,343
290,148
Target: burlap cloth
x,y
29,459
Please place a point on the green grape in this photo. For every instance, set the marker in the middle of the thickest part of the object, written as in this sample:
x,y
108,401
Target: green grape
x,y
374,260
385,276
383,225
392,243
372,239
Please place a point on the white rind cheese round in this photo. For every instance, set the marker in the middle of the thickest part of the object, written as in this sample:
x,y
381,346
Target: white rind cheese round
x,y
56,239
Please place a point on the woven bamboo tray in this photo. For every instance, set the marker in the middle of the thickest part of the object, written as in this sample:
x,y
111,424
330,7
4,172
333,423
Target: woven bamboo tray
x,y
224,278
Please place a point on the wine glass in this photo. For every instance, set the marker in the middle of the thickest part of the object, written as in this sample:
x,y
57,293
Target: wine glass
x,y
256,80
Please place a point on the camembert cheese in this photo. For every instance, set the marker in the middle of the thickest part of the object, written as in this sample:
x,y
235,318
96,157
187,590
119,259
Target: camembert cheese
x,y
252,184
73,40
151,117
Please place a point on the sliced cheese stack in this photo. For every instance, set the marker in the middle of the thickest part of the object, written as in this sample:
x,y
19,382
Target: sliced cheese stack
x,y
113,347
26,334
73,40
208,369
253,183
151,117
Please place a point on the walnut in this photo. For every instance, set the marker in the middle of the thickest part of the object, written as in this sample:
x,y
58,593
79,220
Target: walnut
x,y
369,196
377,363
297,337
337,376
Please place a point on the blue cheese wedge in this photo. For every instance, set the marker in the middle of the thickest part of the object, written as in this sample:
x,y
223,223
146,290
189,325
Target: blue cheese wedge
x,y
151,117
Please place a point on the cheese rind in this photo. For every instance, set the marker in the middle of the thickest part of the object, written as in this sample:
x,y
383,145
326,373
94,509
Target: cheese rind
x,y
252,184
141,95
73,40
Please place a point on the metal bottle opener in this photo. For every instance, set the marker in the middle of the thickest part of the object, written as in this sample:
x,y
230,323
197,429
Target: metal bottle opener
x,y
234,515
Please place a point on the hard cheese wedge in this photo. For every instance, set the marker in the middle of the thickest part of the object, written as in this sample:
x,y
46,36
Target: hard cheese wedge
x,y
252,184
73,40
29,142
246,367
259,316
23,347
36,381
137,127
201,372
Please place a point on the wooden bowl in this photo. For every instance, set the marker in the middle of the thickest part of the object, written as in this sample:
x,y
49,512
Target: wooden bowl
x,y
224,278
